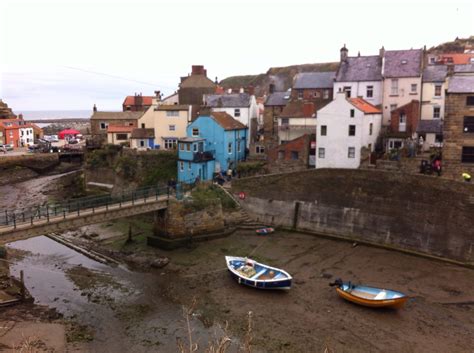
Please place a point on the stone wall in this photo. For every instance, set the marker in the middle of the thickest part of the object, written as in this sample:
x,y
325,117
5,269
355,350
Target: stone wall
x,y
454,136
184,220
415,213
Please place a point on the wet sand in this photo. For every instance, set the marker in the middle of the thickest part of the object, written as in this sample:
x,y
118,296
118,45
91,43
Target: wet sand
x,y
310,317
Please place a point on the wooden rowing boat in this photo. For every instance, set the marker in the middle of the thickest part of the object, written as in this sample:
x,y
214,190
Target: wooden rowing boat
x,y
370,296
254,274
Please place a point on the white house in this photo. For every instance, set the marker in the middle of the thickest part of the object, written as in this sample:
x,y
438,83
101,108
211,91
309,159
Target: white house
x,y
345,127
241,106
360,76
27,136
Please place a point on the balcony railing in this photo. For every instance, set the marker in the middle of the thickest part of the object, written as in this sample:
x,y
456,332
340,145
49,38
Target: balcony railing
x,y
203,156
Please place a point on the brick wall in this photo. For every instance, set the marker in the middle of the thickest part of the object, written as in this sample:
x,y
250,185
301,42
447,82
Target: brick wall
x,y
281,157
412,113
454,136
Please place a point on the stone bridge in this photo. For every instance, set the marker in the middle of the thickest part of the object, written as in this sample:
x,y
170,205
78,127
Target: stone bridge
x,y
38,220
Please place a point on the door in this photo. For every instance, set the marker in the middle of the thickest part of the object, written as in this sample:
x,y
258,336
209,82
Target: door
x,y
204,171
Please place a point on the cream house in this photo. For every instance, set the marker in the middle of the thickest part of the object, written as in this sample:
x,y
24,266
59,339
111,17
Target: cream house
x,y
169,123
401,72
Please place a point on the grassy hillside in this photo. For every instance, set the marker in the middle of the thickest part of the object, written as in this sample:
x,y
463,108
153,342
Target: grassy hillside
x,y
282,77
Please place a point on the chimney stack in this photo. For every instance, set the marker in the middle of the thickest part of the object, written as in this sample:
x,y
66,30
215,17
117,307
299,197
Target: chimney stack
x,y
94,109
198,70
382,52
344,53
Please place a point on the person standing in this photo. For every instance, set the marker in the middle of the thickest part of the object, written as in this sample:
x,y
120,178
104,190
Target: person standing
x,y
437,166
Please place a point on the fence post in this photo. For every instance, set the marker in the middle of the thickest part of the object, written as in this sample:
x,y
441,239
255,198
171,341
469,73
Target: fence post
x,y
14,220
55,210
32,219
23,215
64,213
39,212
22,289
106,204
47,213
121,200
68,207
78,209
6,217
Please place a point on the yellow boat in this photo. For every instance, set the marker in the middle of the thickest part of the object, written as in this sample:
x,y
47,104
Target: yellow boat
x,y
370,296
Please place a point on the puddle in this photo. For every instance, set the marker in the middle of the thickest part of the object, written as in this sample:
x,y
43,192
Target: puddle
x,y
127,310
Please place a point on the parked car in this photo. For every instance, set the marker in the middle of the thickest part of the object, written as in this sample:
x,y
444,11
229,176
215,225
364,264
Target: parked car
x,y
73,141
54,138
9,146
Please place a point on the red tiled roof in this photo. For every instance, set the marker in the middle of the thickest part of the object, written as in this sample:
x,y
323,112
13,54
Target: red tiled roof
x,y
118,128
227,121
457,58
130,100
364,106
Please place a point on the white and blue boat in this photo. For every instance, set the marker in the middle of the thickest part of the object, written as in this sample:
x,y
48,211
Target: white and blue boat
x,y
254,274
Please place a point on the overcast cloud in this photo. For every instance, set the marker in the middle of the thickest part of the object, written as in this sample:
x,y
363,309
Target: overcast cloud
x,y
71,54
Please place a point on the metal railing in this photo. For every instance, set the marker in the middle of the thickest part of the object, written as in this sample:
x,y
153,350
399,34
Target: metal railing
x,y
31,214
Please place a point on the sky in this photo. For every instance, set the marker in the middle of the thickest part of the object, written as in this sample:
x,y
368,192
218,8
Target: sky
x,y
67,55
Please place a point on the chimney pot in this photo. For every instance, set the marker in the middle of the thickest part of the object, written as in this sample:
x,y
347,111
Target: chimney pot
x,y
94,109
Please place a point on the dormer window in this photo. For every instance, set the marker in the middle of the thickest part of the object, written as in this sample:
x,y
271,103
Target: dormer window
x,y
195,132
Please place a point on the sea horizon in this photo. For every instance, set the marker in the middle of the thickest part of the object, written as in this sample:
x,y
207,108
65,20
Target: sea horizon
x,y
56,114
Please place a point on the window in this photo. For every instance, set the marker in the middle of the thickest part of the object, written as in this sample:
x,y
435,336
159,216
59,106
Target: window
x,y
468,124
352,113
236,112
142,143
195,147
403,118
300,94
371,128
259,149
188,147
281,154
294,155
347,89
321,152
352,130
103,126
189,165
470,100
181,146
394,87
316,94
351,152
121,137
170,144
393,107
370,91
143,126
432,60
172,127
326,94
238,146
237,134
181,166
436,112
229,147
195,132
437,91
172,113
324,130
414,88
467,154
285,121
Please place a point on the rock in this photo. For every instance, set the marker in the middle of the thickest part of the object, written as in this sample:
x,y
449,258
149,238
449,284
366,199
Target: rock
x,y
326,275
160,262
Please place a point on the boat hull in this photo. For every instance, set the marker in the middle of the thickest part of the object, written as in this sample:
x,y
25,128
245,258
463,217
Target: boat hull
x,y
282,284
395,303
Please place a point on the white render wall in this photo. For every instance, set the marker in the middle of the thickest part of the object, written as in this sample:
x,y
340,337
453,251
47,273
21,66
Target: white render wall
x,y
336,116
359,89
297,127
27,136
429,100
403,97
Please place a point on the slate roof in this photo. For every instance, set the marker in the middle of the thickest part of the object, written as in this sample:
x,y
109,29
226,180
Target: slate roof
x,y
435,73
314,80
172,107
364,106
402,63
434,126
227,121
143,133
197,81
228,100
278,98
360,68
461,84
116,115
464,68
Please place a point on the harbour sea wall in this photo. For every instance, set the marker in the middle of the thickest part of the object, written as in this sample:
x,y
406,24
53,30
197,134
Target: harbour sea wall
x,y
421,214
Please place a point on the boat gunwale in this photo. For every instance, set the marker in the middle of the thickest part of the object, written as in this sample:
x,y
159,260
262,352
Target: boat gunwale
x,y
230,258
393,302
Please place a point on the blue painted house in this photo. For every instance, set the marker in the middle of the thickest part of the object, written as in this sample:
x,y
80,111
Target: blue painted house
x,y
214,143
